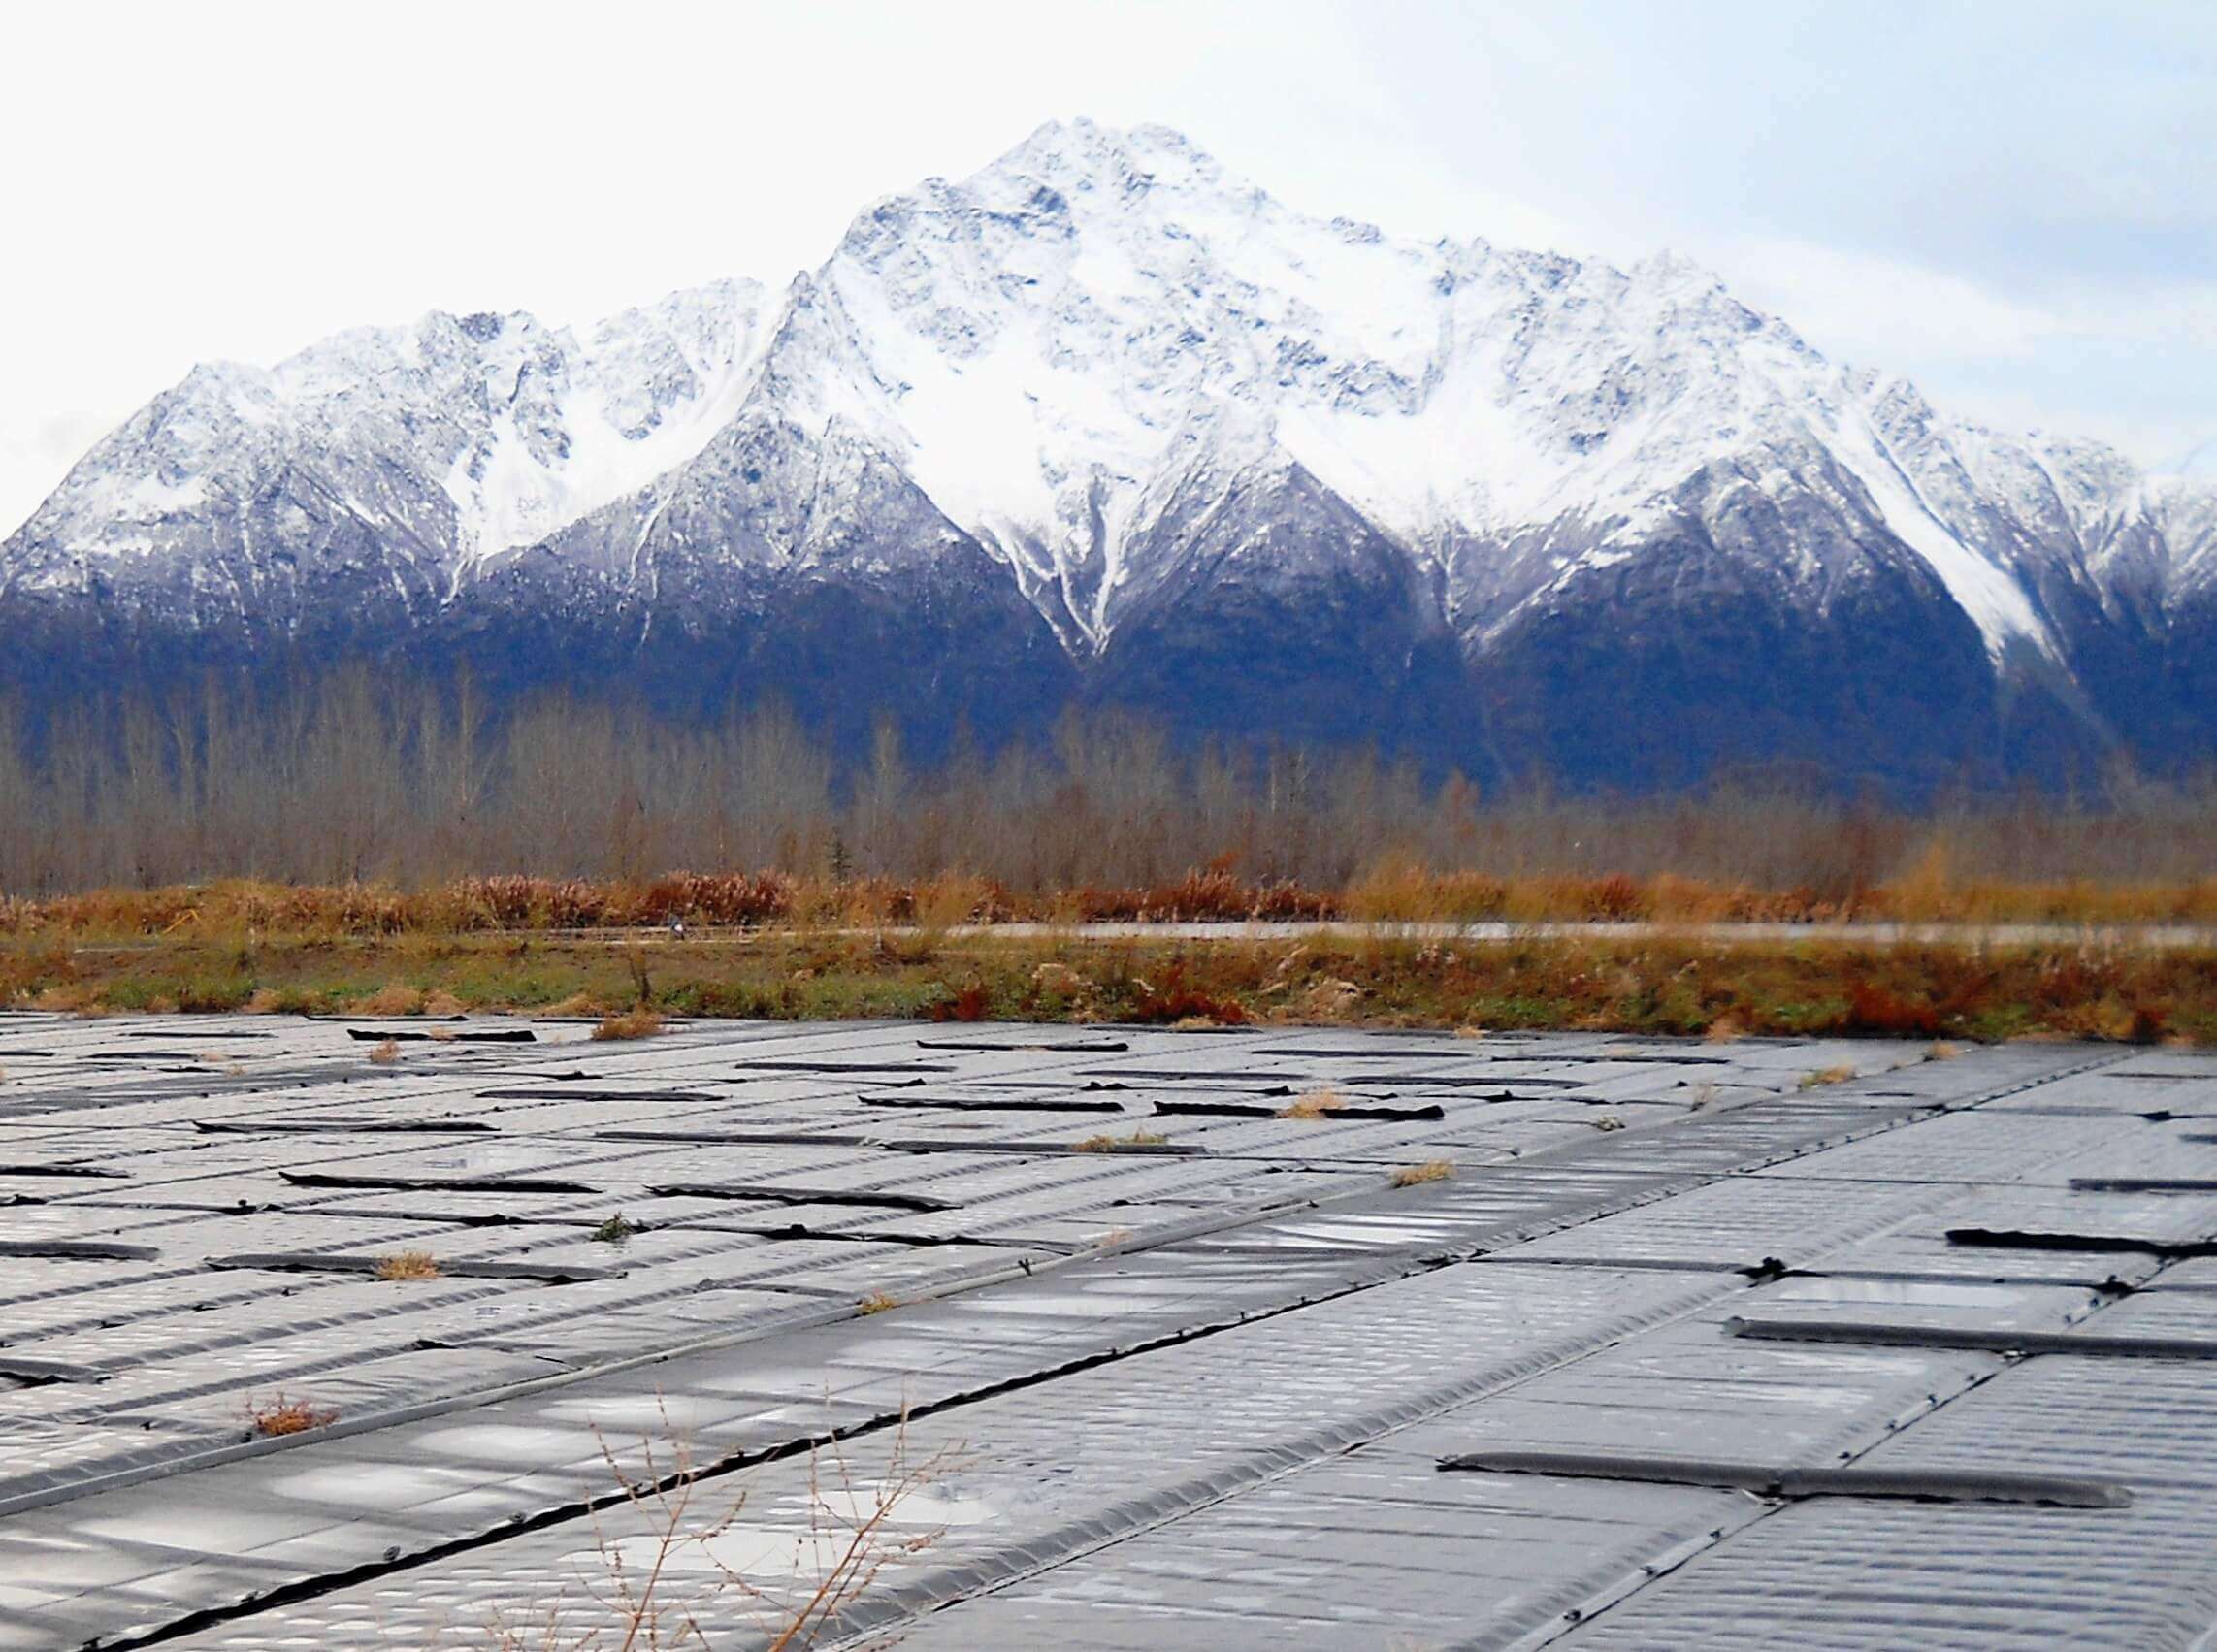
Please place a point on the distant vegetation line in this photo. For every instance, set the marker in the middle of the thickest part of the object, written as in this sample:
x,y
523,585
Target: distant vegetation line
x,y
412,807
1657,983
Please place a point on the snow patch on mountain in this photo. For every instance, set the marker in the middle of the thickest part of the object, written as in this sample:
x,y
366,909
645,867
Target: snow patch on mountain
x,y
1076,355
647,392
1044,342
1992,597
454,437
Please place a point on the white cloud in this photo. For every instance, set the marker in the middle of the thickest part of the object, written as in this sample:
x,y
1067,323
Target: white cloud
x,y
249,177
1873,310
37,450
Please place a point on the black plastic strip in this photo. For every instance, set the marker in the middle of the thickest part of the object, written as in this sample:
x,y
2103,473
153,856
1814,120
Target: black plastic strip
x,y
434,1185
984,1048
767,1227
1970,1339
1182,1076
204,1037
341,1125
1766,1481
36,1372
2017,1239
1462,1081
596,1095
988,1104
2112,1286
1373,1112
737,1138
1054,1150
319,1262
77,1250
2143,1184
1770,1268
801,1195
398,1035
836,1068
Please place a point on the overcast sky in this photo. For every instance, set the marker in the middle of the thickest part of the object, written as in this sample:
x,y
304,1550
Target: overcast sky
x,y
2013,202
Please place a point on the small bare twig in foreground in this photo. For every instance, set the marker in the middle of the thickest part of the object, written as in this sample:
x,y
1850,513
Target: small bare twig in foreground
x,y
673,1588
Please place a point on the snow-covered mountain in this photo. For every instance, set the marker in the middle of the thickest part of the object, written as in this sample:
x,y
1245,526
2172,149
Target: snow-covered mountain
x,y
1102,424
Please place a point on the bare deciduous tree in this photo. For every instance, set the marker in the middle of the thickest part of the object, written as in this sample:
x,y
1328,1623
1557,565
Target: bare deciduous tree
x,y
357,777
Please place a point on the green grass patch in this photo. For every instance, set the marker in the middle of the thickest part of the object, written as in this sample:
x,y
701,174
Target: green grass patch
x,y
1659,985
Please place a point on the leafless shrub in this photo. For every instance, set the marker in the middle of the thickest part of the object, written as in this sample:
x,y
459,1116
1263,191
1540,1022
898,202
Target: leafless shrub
x,y
377,808
679,1588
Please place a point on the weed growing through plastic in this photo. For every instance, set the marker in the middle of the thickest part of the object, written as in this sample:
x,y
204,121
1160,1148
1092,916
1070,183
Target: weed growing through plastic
x,y
1106,1144
642,1022
667,1584
279,1415
1417,1175
1316,1104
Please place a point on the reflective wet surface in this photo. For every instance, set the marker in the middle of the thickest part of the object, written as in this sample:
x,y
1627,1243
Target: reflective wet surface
x,y
1190,1386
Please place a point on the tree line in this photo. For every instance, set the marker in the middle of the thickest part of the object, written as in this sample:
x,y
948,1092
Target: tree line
x,y
359,778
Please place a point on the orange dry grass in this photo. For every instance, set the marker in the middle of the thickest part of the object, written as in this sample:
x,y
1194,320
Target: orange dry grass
x,y
1417,1175
281,1416
1316,1104
1106,1144
642,1022
408,1265
1930,888
394,998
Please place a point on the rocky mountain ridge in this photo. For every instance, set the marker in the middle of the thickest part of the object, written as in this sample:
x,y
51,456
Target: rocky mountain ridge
x,y
1104,424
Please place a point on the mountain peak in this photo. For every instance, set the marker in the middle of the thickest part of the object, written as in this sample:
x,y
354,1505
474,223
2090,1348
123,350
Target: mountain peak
x,y
1118,162
1669,270
1101,387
